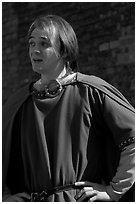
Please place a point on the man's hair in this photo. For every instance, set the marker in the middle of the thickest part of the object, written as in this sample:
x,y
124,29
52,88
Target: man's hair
x,y
64,33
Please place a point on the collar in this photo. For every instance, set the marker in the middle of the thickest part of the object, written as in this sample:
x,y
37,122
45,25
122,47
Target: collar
x,y
54,87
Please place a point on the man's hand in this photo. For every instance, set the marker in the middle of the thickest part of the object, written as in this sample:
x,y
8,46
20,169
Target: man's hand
x,y
91,192
19,197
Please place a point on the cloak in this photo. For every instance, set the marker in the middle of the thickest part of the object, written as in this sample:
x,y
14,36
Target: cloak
x,y
96,94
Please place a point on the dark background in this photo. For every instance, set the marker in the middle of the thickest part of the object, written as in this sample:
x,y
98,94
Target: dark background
x,y
105,32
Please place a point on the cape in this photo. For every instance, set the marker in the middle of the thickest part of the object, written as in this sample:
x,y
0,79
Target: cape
x,y
13,105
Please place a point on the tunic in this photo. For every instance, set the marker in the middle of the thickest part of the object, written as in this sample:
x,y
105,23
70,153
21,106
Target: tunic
x,y
75,136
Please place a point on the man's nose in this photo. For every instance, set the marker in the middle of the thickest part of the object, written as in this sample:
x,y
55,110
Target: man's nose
x,y
36,51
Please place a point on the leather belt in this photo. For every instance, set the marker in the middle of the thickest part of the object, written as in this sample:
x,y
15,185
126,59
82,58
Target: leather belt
x,y
41,197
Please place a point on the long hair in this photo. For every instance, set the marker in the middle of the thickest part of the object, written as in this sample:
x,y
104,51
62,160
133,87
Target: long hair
x,y
65,34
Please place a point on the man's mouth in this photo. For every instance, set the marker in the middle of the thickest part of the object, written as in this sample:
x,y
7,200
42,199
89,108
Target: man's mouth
x,y
37,60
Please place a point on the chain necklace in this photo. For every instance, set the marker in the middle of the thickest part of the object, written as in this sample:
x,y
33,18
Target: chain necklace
x,y
53,88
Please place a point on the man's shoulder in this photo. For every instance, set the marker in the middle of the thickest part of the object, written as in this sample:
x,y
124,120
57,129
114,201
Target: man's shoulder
x,y
19,95
104,87
15,100
92,80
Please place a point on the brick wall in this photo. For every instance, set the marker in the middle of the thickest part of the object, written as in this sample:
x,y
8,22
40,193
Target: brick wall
x,y
105,33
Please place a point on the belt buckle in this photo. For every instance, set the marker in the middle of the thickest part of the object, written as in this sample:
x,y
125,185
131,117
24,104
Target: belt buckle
x,y
38,197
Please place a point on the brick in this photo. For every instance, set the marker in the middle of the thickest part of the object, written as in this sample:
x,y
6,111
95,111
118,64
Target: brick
x,y
114,44
104,47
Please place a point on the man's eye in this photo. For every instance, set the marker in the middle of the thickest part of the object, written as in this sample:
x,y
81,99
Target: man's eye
x,y
45,44
32,44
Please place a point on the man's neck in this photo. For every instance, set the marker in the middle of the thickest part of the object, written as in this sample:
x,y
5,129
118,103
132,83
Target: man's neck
x,y
45,79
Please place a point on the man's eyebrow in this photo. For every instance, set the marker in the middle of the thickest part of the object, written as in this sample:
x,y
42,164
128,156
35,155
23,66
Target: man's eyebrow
x,y
42,37
30,37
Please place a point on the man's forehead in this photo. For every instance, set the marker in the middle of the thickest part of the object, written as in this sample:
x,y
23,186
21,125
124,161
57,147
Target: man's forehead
x,y
44,33
39,33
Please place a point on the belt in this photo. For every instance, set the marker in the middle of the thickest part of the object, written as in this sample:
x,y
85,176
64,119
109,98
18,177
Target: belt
x,y
41,197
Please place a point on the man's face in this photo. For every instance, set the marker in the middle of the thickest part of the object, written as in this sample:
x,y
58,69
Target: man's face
x,y
44,53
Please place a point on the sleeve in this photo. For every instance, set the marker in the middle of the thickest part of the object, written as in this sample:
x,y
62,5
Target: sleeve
x,y
120,121
125,175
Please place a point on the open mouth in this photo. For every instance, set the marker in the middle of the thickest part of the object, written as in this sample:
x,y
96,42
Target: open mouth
x,y
37,60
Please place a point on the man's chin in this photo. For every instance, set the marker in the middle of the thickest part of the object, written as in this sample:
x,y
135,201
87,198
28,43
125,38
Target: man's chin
x,y
38,69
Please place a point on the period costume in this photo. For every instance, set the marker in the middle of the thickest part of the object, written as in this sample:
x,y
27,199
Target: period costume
x,y
78,133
